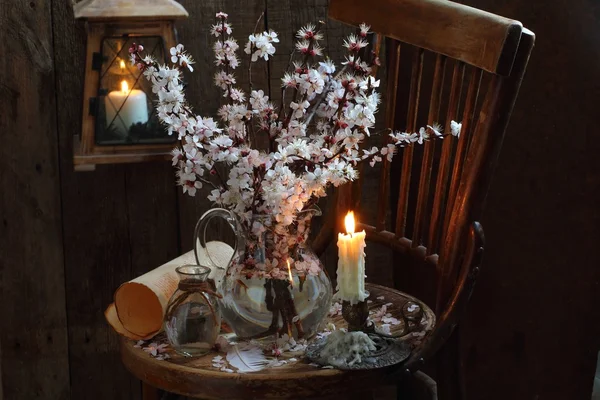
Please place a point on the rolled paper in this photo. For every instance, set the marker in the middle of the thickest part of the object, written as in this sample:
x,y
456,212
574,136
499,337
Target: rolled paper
x,y
140,304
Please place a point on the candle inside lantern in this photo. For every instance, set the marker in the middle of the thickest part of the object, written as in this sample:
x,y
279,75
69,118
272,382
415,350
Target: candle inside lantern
x,y
130,105
351,263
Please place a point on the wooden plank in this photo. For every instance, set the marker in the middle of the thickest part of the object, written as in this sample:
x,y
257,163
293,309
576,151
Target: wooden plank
x,y
83,161
35,363
152,215
461,32
96,229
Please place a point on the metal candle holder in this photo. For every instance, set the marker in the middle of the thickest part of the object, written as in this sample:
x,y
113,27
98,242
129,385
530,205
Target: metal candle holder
x,y
390,349
356,315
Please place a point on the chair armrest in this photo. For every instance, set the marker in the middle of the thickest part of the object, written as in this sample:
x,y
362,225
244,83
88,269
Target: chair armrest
x,y
456,305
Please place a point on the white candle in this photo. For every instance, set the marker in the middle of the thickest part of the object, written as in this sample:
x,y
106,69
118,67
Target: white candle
x,y
134,110
351,264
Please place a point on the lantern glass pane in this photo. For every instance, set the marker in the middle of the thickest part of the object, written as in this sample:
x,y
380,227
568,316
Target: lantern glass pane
x,y
125,112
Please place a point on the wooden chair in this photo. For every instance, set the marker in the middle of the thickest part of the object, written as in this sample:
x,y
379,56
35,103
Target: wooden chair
x,y
461,64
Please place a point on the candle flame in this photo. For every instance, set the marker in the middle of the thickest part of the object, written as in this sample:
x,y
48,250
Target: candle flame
x,y
122,64
124,87
290,274
349,222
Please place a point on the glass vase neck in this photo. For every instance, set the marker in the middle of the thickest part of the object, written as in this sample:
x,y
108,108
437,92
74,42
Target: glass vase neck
x,y
193,273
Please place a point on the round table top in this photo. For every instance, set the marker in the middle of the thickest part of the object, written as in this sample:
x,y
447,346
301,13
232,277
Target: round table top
x,y
196,377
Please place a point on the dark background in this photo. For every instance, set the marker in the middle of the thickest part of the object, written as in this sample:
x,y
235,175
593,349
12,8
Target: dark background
x,y
67,239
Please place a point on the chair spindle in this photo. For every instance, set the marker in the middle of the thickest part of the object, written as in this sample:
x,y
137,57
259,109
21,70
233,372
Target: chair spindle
x,y
407,156
392,89
463,139
441,186
427,163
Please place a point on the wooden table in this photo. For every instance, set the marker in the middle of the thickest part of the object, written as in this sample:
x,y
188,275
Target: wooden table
x,y
196,377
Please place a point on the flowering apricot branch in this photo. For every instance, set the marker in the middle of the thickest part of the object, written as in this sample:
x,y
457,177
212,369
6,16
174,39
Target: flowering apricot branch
x,y
314,139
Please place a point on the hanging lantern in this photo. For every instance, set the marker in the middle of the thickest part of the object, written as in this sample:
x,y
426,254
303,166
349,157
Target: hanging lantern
x,y
120,124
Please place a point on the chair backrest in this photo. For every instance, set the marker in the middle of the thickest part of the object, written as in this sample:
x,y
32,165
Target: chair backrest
x,y
461,64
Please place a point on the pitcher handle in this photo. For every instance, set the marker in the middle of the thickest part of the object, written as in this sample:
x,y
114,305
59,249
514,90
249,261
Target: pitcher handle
x,y
200,233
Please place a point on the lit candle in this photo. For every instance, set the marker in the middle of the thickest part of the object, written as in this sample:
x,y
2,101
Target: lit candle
x,y
133,108
351,263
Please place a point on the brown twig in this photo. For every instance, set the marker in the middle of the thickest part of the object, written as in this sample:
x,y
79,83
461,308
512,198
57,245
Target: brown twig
x,y
250,63
315,106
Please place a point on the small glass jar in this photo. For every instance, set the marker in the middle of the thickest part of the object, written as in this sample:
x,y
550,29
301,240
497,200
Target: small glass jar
x,y
193,319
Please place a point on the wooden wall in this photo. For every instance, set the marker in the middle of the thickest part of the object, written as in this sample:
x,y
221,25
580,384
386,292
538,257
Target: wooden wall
x,y
67,239
533,330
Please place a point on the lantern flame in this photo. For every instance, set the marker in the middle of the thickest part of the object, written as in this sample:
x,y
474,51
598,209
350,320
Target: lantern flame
x,y
290,274
122,64
349,222
124,88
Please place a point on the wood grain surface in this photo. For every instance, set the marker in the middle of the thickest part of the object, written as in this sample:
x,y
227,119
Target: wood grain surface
x,y
108,9
474,36
35,362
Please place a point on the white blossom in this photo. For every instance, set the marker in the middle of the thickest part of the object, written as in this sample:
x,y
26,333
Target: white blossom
x,y
364,29
355,43
260,45
289,80
327,67
309,47
258,100
220,29
455,128
224,80
299,109
389,151
308,32
181,57
312,82
237,95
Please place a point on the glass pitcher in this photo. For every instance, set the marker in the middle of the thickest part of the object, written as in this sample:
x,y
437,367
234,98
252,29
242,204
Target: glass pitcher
x,y
274,282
